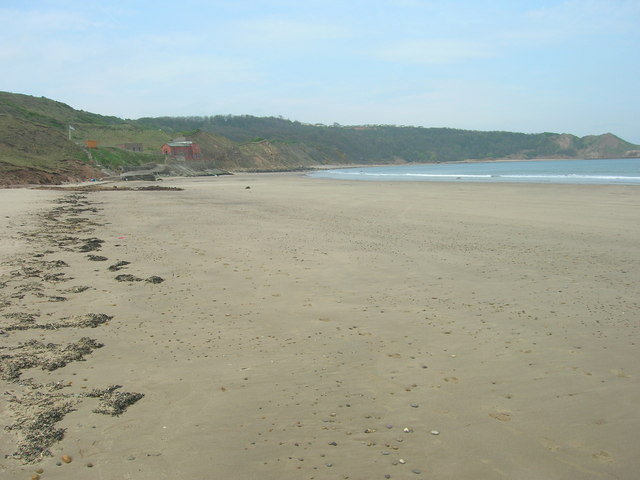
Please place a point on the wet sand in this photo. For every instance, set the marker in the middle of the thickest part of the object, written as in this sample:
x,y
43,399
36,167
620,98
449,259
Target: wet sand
x,y
315,329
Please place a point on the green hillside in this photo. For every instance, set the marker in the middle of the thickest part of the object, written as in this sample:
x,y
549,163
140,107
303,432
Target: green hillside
x,y
35,145
388,143
28,144
33,153
49,112
113,135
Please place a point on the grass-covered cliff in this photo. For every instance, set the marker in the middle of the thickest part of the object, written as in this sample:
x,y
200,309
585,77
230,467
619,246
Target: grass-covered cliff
x,y
35,146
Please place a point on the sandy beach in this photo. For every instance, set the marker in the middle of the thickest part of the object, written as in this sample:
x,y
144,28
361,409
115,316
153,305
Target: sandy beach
x,y
275,326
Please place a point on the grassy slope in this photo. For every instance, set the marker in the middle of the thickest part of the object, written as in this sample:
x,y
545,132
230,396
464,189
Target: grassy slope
x,y
34,135
31,153
114,158
27,144
49,112
112,135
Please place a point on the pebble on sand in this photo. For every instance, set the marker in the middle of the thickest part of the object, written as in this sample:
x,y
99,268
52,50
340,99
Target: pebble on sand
x,y
66,458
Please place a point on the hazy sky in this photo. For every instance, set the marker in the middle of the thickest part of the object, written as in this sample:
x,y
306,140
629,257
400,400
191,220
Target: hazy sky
x,y
516,65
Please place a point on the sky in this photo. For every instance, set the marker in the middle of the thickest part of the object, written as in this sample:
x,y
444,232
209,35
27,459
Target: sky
x,y
563,66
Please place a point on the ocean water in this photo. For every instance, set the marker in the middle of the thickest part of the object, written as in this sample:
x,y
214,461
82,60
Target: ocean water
x,y
614,171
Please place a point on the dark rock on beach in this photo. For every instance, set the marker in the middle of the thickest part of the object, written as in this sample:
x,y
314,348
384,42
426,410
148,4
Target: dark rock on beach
x,y
118,266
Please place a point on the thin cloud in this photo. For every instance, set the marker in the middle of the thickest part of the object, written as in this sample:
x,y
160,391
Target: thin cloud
x,y
41,22
578,19
590,16
434,51
283,32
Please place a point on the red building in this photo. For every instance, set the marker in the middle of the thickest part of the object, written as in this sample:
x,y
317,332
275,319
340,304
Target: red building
x,y
181,150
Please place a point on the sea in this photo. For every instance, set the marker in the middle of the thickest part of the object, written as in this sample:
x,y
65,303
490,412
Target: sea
x,y
611,171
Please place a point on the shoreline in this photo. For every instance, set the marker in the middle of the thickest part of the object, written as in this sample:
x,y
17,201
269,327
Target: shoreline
x,y
497,160
623,172
314,168
308,328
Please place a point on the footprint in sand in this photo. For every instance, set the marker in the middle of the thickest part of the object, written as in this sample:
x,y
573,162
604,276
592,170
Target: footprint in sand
x,y
603,456
502,416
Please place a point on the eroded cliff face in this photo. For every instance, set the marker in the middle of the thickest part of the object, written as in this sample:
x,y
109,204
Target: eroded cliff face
x,y
11,175
261,155
594,146
36,154
607,145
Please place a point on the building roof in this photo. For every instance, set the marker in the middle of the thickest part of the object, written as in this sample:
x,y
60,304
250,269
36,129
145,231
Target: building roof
x,y
186,143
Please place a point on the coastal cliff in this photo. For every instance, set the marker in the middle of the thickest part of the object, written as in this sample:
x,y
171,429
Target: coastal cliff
x,y
44,141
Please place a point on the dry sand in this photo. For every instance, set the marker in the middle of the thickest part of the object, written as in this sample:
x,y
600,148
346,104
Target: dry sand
x,y
320,329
